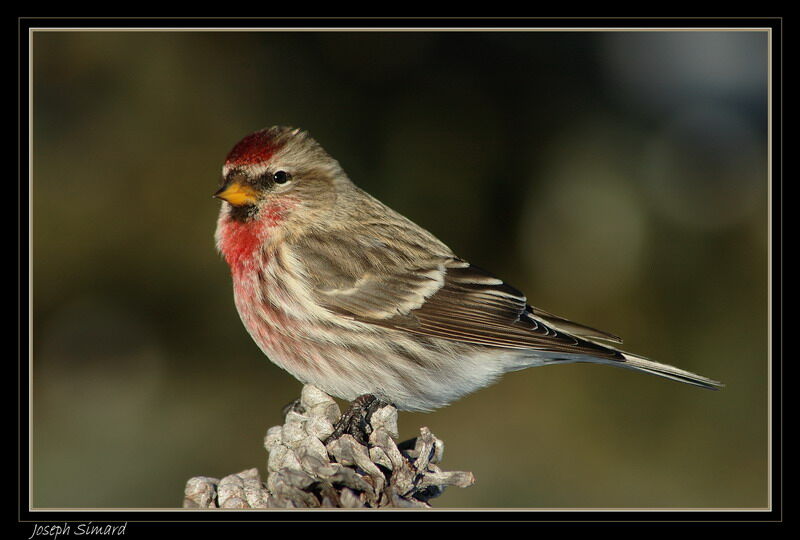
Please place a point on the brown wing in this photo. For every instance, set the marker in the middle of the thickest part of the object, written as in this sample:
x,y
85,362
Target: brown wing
x,y
433,295
475,307
572,327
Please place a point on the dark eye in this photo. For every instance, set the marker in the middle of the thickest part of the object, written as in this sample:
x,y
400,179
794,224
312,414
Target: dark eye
x,y
281,177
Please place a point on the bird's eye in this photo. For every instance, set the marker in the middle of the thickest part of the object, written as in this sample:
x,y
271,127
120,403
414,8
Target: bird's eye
x,y
281,177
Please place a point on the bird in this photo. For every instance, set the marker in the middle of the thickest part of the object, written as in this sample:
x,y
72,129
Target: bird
x,y
350,296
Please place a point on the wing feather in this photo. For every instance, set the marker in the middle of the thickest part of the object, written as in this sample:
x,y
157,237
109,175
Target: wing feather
x,y
436,295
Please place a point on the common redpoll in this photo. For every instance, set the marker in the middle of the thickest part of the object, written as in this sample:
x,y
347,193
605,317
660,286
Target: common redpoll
x,y
348,295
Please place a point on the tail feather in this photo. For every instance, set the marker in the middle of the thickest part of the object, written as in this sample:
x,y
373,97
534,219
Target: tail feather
x,y
663,370
591,338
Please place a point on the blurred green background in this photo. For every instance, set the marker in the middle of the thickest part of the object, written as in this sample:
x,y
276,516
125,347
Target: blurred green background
x,y
618,178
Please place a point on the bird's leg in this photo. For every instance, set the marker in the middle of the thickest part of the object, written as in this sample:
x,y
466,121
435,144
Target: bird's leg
x,y
355,420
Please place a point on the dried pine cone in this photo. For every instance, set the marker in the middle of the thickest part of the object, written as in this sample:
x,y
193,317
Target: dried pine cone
x,y
306,473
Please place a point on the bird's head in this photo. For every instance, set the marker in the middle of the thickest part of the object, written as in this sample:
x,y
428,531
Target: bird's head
x,y
271,171
274,182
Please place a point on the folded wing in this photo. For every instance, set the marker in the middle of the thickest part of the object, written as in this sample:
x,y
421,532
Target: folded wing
x,y
415,291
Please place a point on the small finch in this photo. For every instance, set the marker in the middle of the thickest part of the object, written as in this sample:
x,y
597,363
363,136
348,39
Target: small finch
x,y
350,296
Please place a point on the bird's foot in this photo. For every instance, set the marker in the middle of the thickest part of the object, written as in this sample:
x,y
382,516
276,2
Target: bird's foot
x,y
355,420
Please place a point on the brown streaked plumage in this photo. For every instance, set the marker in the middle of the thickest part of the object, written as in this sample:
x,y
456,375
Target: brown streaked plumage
x,y
345,293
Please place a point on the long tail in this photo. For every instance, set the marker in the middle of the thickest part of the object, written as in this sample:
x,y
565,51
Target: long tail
x,y
638,363
591,339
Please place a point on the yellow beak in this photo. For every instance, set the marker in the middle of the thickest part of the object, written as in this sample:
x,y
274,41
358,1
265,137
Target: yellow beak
x,y
237,194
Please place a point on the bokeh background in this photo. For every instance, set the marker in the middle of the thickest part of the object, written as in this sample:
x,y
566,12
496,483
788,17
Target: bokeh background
x,y
619,178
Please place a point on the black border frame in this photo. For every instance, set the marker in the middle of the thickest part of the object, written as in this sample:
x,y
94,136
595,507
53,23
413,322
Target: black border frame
x,y
211,523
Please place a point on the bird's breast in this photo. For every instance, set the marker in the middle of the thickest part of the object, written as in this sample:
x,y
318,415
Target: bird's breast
x,y
240,243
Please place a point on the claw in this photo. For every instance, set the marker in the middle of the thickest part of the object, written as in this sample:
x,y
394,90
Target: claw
x,y
355,420
295,406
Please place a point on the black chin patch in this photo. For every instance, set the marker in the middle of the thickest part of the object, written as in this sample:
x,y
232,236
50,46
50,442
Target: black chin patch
x,y
245,212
